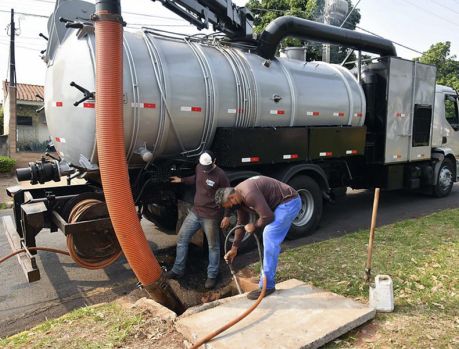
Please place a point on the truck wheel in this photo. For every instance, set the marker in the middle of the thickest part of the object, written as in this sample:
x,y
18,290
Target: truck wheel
x,y
164,217
445,180
311,206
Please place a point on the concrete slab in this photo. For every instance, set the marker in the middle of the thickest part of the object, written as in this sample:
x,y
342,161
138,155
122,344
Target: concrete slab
x,y
296,316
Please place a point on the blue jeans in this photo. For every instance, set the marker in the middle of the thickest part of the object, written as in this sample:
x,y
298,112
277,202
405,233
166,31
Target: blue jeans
x,y
190,226
273,235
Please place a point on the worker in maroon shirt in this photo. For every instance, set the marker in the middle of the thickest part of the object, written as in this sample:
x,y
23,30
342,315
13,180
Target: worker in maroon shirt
x,y
276,205
205,215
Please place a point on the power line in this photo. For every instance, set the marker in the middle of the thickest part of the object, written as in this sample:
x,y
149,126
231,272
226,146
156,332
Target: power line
x,y
124,12
446,7
130,24
23,47
26,14
431,13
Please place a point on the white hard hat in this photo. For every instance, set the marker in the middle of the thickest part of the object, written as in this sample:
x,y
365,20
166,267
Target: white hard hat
x,y
205,159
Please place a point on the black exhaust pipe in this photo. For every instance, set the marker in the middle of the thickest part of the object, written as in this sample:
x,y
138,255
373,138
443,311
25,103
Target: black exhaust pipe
x,y
283,27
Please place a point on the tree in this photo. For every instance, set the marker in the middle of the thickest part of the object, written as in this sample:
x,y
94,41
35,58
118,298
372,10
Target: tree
x,y
447,65
268,10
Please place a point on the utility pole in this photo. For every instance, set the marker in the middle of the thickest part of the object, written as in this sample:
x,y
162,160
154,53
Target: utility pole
x,y
12,55
12,94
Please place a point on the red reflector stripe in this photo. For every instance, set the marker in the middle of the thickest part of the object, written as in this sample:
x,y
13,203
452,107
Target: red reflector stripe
x,y
197,109
59,139
149,105
89,105
326,153
251,159
59,104
359,115
290,156
280,112
351,152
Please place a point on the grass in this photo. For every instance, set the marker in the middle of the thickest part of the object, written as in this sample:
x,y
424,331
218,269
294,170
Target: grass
x,y
101,326
422,257
3,206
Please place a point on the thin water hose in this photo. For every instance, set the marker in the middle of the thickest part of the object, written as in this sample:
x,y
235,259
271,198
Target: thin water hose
x,y
47,249
233,322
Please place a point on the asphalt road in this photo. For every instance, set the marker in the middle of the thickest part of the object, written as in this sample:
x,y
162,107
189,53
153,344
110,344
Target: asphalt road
x,y
64,286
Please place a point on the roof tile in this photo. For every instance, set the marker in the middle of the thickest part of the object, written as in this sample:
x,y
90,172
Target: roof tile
x,y
26,92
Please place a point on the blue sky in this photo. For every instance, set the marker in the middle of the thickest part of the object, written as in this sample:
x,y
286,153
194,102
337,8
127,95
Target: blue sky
x,y
414,23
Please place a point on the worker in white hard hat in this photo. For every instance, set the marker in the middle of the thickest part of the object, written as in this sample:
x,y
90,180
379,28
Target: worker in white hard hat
x,y
205,215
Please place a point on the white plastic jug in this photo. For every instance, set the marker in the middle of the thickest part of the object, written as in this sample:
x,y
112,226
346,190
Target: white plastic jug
x,y
382,294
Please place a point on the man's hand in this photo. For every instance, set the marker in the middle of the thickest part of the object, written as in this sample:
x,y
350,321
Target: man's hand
x,y
225,223
249,228
230,255
175,179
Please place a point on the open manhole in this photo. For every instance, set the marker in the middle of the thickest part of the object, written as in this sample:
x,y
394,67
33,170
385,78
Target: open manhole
x,y
190,288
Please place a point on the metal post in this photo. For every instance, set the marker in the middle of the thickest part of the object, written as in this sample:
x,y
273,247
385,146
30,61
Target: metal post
x,y
359,72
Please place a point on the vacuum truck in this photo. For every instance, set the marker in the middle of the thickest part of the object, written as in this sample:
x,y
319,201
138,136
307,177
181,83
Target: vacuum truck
x,y
317,126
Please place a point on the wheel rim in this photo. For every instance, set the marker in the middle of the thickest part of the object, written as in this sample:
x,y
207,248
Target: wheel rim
x,y
307,208
445,178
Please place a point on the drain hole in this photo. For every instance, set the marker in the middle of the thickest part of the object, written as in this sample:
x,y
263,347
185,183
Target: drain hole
x,y
190,289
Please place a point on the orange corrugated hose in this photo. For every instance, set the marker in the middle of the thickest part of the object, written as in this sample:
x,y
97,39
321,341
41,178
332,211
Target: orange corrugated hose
x,y
111,150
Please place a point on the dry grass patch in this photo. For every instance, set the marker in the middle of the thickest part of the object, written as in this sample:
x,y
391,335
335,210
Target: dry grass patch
x,y
101,326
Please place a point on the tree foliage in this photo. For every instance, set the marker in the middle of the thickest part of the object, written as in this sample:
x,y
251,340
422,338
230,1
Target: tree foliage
x,y
447,65
268,10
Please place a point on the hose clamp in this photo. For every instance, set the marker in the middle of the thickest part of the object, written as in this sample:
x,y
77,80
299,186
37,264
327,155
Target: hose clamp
x,y
112,17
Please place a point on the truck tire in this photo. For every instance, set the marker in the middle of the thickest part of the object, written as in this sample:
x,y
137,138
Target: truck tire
x,y
164,217
444,180
311,206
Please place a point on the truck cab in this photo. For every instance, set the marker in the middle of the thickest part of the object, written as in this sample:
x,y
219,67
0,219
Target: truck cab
x,y
445,133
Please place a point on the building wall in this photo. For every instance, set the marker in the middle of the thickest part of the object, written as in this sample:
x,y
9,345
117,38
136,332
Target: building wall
x,y
32,131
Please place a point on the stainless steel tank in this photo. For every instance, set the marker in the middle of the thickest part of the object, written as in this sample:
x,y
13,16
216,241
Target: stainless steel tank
x,y
177,92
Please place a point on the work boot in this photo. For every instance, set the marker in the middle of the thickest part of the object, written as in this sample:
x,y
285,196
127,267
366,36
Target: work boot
x,y
210,283
256,293
173,275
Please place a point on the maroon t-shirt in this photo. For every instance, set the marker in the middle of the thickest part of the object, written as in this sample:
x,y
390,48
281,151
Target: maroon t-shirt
x,y
260,195
207,183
